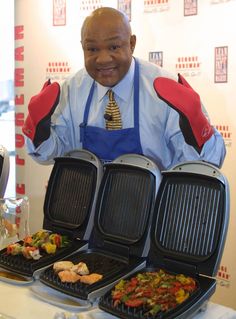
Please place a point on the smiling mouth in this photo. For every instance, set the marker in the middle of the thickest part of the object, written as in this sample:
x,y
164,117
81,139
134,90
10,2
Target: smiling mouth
x,y
106,71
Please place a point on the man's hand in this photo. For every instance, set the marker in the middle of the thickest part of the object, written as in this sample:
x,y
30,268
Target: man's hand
x,y
41,108
181,97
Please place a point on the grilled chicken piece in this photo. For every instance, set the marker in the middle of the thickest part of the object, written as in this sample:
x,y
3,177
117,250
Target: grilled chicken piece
x,y
80,268
62,265
90,279
69,276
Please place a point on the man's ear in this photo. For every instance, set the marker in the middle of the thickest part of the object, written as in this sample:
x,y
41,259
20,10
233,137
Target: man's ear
x,y
82,44
132,42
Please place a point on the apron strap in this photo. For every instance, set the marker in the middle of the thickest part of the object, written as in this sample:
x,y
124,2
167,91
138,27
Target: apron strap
x,y
136,96
88,103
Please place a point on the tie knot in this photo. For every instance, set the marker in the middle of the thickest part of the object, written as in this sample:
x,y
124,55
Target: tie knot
x,y
110,95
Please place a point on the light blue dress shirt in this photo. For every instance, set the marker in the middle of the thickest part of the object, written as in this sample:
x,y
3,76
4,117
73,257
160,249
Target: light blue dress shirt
x,y
160,134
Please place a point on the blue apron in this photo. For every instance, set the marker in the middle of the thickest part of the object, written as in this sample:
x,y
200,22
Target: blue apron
x,y
109,144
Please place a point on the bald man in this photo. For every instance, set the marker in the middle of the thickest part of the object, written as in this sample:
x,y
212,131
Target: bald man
x,y
160,115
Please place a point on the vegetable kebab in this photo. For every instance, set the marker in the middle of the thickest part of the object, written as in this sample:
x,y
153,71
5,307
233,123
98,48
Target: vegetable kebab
x,y
34,245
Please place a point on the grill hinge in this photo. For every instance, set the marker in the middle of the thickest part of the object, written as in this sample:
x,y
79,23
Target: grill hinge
x,y
118,248
180,266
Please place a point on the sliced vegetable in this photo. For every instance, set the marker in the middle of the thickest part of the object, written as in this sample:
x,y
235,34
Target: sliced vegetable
x,y
155,291
49,248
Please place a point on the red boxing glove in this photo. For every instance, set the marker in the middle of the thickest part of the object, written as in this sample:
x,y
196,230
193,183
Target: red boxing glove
x,y
181,97
41,107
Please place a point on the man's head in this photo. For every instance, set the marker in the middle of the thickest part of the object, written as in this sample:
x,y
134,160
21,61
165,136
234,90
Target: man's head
x,y
108,45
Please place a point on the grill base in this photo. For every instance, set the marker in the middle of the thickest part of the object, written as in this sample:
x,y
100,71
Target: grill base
x,y
27,267
112,269
186,310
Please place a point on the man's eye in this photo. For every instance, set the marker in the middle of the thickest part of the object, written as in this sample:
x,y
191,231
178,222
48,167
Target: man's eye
x,y
114,47
91,49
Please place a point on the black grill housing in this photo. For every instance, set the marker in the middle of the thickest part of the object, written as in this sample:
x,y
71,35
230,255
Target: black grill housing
x,y
98,262
69,207
188,233
126,199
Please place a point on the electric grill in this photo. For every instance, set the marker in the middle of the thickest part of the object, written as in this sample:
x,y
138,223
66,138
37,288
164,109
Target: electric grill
x,y
188,233
120,240
4,169
69,207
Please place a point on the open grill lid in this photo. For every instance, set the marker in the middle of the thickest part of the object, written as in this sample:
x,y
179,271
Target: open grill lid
x,y
125,204
71,194
4,169
190,219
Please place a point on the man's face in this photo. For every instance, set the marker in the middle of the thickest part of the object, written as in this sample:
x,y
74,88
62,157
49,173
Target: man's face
x,y
108,48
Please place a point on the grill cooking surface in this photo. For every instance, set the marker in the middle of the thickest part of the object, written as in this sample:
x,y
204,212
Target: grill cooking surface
x,y
188,223
69,198
141,312
191,217
26,267
122,311
109,267
126,204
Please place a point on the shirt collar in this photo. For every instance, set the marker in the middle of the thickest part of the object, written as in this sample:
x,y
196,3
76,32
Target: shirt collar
x,y
122,89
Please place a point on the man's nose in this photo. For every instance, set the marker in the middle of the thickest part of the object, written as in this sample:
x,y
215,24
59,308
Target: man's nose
x,y
104,56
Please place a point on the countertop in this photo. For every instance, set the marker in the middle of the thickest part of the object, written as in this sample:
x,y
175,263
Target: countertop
x,y
19,302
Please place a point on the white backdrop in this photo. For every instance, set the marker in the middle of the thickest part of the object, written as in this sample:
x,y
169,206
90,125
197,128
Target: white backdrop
x,y
195,38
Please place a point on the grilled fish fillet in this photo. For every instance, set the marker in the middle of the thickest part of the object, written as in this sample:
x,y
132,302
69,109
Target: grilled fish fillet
x,y
80,268
62,265
69,276
90,279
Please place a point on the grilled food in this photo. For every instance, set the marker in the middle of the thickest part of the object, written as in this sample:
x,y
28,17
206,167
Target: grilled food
x,y
90,279
33,246
69,276
62,265
80,268
69,272
155,291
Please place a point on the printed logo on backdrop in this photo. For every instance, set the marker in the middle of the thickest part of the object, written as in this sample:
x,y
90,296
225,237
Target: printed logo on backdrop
x,y
125,6
156,57
226,133
188,65
223,277
19,79
87,6
156,5
219,1
221,64
59,12
58,70
190,7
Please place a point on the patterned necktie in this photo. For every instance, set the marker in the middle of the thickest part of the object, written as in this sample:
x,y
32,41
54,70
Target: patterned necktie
x,y
112,113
